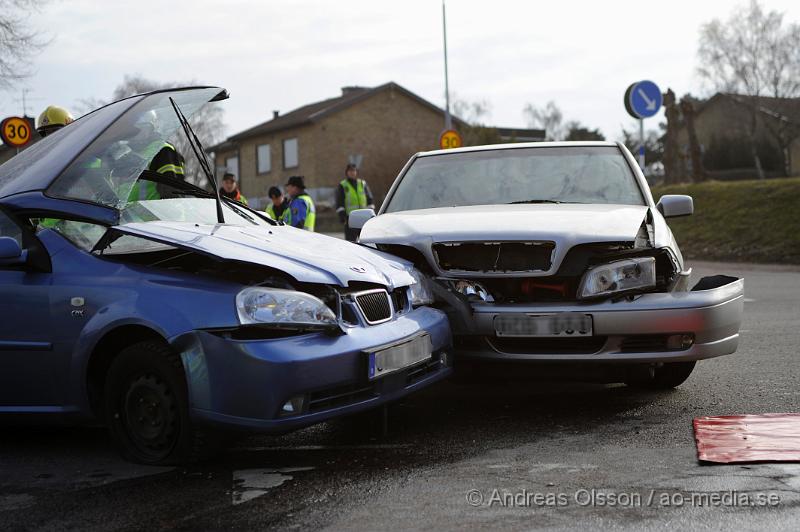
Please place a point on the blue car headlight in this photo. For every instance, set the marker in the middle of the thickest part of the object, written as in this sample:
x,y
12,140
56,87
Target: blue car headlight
x,y
618,276
257,305
421,293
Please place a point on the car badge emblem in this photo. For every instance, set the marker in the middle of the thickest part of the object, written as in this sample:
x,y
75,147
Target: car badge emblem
x,y
358,269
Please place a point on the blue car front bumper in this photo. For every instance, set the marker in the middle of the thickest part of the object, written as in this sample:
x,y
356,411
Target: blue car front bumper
x,y
244,383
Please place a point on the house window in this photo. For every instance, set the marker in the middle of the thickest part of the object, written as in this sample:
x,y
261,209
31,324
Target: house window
x,y
263,160
290,153
232,166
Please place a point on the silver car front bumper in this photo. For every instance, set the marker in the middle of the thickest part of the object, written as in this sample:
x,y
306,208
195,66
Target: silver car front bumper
x,y
623,331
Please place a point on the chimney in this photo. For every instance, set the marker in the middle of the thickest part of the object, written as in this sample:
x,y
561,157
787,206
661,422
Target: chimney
x,y
351,90
275,114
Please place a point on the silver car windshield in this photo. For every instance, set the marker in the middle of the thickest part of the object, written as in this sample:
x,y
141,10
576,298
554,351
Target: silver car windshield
x,y
127,162
574,174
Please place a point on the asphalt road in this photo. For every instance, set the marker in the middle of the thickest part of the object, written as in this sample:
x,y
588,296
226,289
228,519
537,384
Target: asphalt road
x,y
540,455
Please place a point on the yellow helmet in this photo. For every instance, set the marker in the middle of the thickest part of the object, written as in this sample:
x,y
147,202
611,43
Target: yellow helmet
x,y
52,119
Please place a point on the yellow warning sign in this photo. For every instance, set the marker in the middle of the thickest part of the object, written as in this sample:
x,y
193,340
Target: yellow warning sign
x,y
15,131
449,139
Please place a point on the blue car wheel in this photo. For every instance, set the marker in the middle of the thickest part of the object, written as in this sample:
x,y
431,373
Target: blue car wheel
x,y
147,407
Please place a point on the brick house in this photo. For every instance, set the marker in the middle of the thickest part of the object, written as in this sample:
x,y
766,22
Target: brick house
x,y
723,123
378,128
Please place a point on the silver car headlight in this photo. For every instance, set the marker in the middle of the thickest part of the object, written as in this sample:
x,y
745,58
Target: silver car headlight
x,y
421,293
273,305
618,276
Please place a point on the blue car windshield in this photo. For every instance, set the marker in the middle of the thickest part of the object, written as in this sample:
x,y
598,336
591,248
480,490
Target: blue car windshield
x,y
569,174
144,157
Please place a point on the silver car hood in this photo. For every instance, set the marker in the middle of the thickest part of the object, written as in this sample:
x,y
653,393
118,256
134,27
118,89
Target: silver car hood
x,y
565,224
305,256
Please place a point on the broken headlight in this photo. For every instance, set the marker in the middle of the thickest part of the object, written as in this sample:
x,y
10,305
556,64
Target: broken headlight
x,y
257,305
618,276
421,293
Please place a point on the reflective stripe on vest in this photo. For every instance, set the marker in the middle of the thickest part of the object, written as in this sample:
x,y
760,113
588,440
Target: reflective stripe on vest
x,y
311,213
354,197
174,168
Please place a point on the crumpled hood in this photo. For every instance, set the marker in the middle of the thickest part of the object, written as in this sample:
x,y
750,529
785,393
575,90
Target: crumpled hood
x,y
565,224
587,223
305,256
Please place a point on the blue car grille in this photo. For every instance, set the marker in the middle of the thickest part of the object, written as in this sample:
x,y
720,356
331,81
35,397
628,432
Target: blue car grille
x,y
375,306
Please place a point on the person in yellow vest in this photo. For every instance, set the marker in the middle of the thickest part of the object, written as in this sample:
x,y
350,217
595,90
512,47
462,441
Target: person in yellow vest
x,y
51,120
301,212
278,203
230,189
163,158
165,161
353,193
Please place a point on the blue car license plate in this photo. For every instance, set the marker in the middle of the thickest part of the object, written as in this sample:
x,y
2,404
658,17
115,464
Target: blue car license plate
x,y
543,325
400,356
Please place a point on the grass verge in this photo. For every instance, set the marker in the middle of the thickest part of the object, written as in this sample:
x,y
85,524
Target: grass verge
x,y
741,221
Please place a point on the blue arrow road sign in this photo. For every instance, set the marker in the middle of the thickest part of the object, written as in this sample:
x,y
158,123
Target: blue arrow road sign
x,y
643,99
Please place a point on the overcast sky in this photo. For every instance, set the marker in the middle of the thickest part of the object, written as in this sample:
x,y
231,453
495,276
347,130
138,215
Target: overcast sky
x,y
282,54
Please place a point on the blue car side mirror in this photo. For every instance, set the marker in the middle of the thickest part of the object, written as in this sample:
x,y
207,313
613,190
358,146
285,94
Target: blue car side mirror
x,y
11,253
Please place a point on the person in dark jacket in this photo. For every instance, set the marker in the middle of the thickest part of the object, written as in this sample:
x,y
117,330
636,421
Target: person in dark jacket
x,y
230,189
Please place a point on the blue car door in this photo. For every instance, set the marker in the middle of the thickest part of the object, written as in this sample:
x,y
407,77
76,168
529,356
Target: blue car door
x,y
28,377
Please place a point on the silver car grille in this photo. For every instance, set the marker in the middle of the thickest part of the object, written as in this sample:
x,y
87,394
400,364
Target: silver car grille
x,y
494,257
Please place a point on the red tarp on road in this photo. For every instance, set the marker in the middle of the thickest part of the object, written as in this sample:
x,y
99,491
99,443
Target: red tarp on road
x,y
748,438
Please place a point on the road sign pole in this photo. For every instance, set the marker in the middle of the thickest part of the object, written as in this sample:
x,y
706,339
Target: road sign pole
x,y
641,144
643,99
447,121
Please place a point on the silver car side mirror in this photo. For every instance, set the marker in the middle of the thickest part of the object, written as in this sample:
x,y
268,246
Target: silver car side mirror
x,y
674,205
359,217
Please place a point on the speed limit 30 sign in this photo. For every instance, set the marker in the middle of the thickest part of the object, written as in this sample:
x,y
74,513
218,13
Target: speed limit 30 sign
x,y
15,131
449,139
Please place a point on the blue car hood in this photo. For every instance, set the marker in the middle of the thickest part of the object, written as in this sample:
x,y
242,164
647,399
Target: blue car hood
x,y
305,256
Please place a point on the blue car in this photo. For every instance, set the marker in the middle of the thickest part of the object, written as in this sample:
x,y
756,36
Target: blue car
x,y
131,296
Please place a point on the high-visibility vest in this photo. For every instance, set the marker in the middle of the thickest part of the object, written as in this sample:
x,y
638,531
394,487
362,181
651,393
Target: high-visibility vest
x,y
147,190
354,197
272,214
311,214
144,190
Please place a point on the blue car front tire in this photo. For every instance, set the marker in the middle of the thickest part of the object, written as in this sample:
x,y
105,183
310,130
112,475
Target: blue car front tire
x,y
147,408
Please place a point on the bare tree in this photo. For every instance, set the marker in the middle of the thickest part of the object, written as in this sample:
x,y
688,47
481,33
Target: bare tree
x,y
550,118
18,41
207,123
474,132
574,130
755,54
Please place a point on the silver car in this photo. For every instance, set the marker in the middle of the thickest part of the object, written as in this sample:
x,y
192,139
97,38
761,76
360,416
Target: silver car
x,y
556,252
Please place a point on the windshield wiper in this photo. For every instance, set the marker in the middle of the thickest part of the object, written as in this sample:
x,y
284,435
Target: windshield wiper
x,y
534,201
197,148
232,205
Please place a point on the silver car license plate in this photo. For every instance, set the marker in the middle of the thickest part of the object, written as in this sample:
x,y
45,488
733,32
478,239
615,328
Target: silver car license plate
x,y
546,325
400,356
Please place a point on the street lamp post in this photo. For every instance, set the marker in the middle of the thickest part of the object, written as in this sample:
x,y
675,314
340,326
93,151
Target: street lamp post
x,y
448,124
